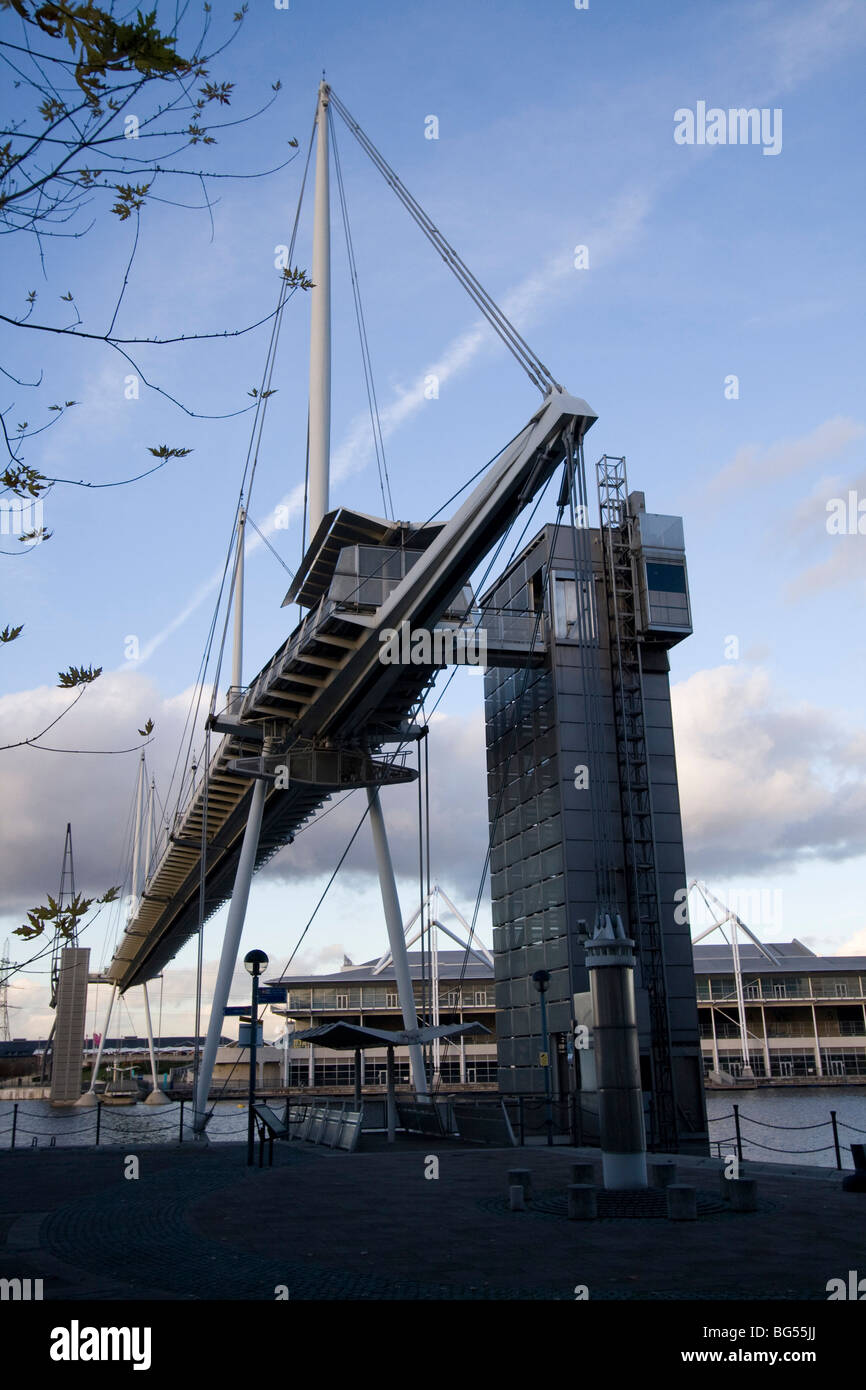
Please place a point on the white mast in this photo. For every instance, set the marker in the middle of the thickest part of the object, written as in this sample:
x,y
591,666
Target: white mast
x,y
245,867
136,847
148,838
320,326
238,597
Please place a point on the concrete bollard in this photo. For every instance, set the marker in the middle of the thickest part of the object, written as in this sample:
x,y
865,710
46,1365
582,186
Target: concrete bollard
x,y
583,1173
663,1174
523,1178
744,1194
582,1205
682,1202
516,1200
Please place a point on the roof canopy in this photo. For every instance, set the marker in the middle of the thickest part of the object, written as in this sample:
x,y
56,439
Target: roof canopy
x,y
346,527
340,1034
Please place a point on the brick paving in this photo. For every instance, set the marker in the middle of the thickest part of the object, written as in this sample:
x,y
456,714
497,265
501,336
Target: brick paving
x,y
197,1224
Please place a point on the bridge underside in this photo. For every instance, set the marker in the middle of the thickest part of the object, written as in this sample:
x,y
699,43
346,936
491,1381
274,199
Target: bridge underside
x,y
326,701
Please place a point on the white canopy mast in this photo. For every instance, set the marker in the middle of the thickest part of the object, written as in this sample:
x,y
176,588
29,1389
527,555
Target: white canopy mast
x,y
319,501
320,326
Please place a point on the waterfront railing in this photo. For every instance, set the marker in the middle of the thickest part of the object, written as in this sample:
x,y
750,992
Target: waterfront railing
x,y
530,1116
734,1142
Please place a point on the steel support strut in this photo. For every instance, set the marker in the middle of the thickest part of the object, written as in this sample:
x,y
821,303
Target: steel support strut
x,y
396,939
89,1097
231,946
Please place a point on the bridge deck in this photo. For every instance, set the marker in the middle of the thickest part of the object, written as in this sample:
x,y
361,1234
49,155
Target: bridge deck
x,y
328,686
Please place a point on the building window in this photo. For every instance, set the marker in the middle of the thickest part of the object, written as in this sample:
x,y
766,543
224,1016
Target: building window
x,y
753,990
568,624
392,1001
452,999
536,588
841,989
481,997
342,1001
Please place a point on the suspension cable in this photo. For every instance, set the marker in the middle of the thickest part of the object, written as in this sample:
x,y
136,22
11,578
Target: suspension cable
x,y
378,440
516,344
276,554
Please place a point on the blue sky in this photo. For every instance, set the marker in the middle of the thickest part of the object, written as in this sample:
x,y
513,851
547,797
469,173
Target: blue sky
x,y
555,130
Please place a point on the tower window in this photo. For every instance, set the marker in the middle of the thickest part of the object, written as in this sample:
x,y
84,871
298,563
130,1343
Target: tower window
x,y
664,578
569,625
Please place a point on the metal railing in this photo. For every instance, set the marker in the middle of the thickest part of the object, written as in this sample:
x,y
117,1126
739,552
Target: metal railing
x,y
834,1124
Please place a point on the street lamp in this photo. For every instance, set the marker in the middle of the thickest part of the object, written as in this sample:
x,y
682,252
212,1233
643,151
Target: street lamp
x,y
541,980
255,962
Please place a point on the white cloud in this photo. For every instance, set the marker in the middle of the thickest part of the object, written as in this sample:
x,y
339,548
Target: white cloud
x,y
854,946
753,466
43,790
794,44
844,553
764,782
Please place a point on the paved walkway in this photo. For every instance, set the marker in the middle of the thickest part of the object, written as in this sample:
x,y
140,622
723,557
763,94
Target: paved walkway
x,y
197,1224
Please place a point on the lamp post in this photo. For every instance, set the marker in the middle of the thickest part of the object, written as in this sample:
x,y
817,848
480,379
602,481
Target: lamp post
x,y
255,962
541,980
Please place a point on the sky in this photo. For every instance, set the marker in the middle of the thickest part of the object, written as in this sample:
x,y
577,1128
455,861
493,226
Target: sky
x,y
713,320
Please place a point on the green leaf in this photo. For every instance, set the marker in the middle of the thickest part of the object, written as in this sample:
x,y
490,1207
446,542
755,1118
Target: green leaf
x,y
23,481
164,452
78,675
297,278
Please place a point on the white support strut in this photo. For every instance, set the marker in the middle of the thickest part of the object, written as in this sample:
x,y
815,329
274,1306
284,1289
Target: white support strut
x,y
156,1097
396,939
89,1097
231,946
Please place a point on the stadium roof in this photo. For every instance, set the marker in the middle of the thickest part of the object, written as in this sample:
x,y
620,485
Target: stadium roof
x,y
451,967
716,958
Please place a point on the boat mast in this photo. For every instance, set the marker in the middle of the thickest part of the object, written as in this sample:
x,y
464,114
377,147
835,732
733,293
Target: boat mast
x,y
320,325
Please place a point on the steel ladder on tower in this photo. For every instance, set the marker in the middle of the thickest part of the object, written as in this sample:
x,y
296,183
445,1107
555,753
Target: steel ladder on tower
x,y
636,795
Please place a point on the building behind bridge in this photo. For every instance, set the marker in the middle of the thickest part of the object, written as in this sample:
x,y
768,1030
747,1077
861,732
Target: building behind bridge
x,y
367,994
805,1014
